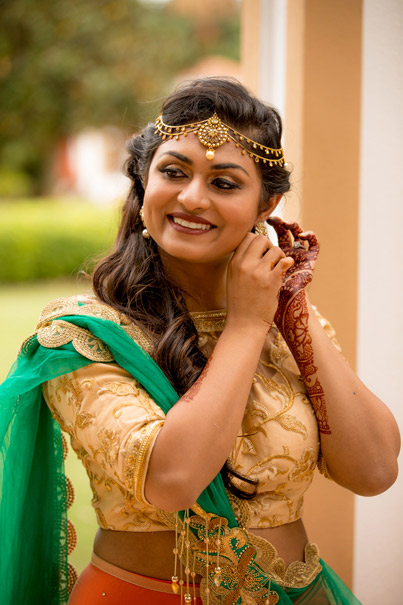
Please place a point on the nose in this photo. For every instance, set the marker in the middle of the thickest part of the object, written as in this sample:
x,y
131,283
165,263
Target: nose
x,y
194,195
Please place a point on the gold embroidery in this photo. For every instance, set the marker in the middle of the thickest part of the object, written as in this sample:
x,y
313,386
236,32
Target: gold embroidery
x,y
102,522
51,405
279,350
239,550
290,423
84,419
322,467
68,387
117,410
60,333
298,574
71,537
120,389
304,467
110,443
91,307
240,509
26,345
136,457
209,321
72,576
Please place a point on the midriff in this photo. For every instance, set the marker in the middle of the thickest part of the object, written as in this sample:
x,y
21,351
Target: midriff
x,y
150,553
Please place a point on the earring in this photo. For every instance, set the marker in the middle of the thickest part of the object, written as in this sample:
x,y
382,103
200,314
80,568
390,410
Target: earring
x,y
261,229
145,233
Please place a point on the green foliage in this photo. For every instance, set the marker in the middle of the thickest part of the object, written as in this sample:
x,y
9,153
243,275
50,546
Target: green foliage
x,y
49,238
67,65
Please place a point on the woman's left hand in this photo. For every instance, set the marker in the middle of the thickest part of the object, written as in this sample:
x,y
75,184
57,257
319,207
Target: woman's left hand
x,y
303,247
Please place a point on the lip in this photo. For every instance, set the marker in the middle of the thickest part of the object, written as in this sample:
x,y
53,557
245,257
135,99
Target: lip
x,y
192,218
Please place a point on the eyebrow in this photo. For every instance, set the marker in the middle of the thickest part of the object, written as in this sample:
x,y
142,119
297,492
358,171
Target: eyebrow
x,y
222,166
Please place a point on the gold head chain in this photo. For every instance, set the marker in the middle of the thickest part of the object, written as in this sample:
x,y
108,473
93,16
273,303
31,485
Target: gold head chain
x,y
213,133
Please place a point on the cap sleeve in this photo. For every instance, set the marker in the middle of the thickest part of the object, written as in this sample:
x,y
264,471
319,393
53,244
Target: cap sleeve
x,y
112,417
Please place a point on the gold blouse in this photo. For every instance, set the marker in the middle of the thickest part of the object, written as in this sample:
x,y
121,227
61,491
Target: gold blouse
x,y
113,424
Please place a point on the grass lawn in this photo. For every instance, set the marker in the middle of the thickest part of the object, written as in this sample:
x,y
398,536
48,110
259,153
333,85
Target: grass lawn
x,y
20,306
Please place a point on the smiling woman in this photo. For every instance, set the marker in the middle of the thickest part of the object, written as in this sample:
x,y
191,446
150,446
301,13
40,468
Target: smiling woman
x,y
199,386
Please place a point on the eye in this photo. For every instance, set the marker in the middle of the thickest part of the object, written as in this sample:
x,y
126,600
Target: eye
x,y
224,184
171,172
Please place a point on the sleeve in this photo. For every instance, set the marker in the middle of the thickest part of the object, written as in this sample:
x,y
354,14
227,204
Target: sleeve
x,y
112,417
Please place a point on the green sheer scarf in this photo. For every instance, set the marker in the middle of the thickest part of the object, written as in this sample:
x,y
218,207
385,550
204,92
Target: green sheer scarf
x,y
33,511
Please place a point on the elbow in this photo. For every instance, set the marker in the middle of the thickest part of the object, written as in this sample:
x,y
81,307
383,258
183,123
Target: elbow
x,y
172,492
378,481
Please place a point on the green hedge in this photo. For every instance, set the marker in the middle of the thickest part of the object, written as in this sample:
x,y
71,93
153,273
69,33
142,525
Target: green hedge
x,y
48,238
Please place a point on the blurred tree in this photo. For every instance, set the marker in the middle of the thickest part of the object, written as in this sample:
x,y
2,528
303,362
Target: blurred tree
x,y
68,64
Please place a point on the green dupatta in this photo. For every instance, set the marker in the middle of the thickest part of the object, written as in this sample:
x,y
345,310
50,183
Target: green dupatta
x,y
33,512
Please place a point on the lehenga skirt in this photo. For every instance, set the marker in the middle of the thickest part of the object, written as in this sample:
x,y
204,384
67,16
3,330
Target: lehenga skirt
x,y
102,583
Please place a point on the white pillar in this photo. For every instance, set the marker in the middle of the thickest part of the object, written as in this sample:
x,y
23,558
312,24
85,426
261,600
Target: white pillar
x,y
378,560
272,52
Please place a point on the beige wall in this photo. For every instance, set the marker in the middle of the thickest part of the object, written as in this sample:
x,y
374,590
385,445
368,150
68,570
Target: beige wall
x,y
322,82
342,86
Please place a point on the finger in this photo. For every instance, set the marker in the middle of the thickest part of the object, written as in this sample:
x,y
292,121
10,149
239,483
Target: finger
x,y
254,245
283,265
282,230
312,240
271,258
259,246
244,244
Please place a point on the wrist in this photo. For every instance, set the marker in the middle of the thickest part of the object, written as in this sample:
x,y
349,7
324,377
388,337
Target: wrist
x,y
252,328
292,308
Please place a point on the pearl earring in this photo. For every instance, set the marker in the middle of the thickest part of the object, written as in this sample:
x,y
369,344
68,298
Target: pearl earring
x,y
145,233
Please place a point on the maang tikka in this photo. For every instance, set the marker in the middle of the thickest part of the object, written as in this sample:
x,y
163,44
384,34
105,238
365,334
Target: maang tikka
x,y
213,133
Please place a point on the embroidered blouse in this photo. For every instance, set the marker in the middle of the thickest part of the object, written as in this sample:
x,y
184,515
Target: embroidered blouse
x,y
113,424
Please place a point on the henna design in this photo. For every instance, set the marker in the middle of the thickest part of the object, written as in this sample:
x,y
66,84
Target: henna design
x,y
293,324
292,312
195,388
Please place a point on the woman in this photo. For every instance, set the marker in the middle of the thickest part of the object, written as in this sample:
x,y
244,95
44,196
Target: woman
x,y
228,422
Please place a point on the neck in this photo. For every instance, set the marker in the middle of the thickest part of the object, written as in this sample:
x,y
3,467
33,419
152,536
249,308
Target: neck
x,y
204,285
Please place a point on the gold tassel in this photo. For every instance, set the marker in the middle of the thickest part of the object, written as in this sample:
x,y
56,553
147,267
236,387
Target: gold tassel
x,y
175,585
188,596
207,540
217,571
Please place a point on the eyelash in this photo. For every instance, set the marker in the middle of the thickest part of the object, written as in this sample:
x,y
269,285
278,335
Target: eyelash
x,y
219,182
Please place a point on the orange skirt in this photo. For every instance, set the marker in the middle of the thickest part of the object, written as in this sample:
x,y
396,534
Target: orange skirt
x,y
102,583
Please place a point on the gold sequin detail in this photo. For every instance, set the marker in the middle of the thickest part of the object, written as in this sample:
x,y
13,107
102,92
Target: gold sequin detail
x,y
84,419
110,443
61,332
90,306
237,571
71,537
72,577
136,456
70,492
209,321
65,446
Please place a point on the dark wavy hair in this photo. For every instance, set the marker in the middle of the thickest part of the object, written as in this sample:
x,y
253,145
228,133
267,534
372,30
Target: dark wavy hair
x,y
132,278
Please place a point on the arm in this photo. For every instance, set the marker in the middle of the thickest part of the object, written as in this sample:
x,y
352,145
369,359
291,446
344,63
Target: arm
x,y
359,436
200,430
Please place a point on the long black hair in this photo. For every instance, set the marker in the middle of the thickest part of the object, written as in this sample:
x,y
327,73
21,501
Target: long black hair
x,y
132,278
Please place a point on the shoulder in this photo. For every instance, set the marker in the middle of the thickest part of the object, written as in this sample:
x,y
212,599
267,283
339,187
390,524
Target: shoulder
x,y
88,305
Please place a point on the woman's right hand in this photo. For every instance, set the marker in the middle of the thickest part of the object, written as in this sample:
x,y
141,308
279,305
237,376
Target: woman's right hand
x,y
255,276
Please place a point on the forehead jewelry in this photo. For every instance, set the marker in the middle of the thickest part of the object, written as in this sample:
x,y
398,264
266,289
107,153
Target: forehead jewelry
x,y
213,133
